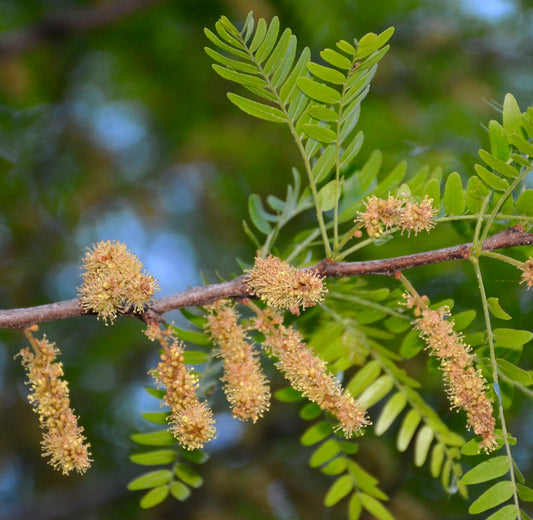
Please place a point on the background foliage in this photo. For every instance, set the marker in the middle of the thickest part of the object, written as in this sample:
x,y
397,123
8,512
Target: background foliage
x,y
126,133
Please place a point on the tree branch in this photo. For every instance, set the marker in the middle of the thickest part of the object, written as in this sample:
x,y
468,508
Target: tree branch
x,y
62,25
236,288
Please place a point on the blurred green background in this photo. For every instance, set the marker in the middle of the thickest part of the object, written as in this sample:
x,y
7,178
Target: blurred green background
x,y
122,131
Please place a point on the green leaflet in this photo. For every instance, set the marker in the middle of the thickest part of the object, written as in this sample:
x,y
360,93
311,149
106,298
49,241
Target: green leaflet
x,y
316,433
324,164
256,109
454,198
318,91
338,490
423,442
487,470
156,417
258,215
352,150
371,42
476,192
376,508
496,309
498,142
498,165
511,338
407,430
269,41
179,491
160,438
524,146
320,133
327,196
154,458
188,475
336,59
376,391
524,204
390,412
494,496
512,116
324,453
514,373
154,497
437,458
239,77
276,58
151,479
364,378
508,512
326,73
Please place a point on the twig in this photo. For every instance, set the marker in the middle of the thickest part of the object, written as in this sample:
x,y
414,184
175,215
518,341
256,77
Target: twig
x,y
62,25
236,288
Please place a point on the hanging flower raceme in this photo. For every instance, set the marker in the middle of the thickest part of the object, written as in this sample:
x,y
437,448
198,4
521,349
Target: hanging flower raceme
x,y
466,386
282,286
246,386
191,421
381,215
113,281
63,439
307,373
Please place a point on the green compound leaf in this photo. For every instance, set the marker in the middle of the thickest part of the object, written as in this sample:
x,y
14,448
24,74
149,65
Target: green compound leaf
x,y
390,412
154,458
454,198
375,507
188,475
316,433
256,109
154,497
318,91
496,309
151,479
407,430
487,470
329,449
179,491
162,438
338,490
494,496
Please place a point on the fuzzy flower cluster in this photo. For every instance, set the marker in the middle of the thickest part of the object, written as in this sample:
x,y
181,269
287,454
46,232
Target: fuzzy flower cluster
x,y
282,286
380,215
308,374
191,421
114,281
63,439
246,386
466,386
527,273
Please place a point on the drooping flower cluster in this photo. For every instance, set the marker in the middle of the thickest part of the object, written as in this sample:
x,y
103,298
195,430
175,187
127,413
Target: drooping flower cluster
x,y
191,421
63,439
380,215
527,273
307,373
282,286
113,281
466,386
246,386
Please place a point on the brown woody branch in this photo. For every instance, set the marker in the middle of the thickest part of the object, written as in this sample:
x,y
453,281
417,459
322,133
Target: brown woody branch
x,y
66,23
236,288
